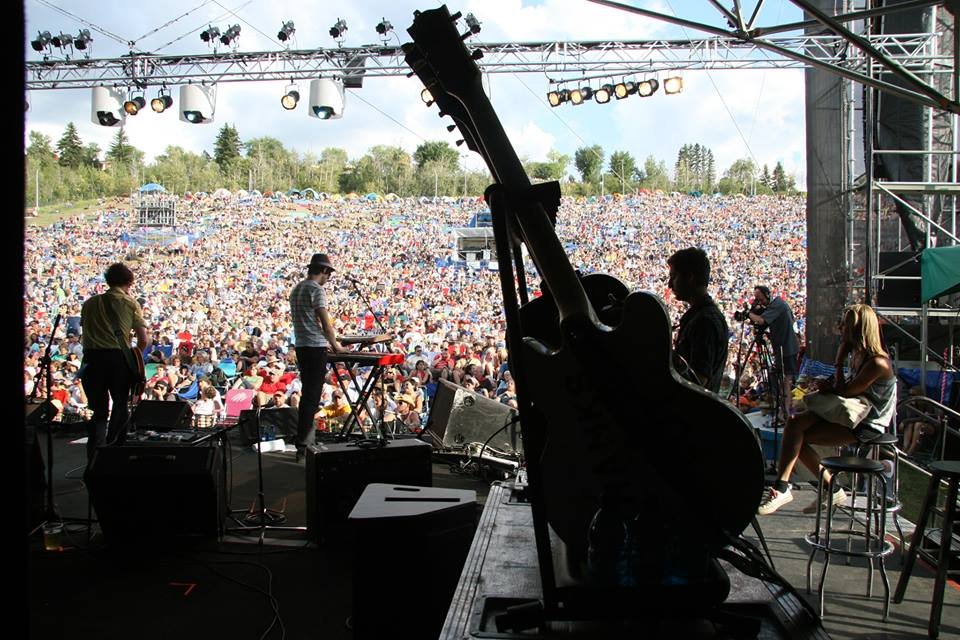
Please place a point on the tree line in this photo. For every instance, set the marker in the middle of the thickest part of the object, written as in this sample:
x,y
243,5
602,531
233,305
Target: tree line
x,y
72,170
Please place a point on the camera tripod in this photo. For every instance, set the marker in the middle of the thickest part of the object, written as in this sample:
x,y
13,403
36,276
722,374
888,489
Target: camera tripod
x,y
760,355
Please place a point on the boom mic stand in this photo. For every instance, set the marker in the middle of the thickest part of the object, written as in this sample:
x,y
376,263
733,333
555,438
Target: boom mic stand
x,y
366,301
262,519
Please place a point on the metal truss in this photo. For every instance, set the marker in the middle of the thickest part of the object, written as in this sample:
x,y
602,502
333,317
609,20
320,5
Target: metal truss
x,y
561,61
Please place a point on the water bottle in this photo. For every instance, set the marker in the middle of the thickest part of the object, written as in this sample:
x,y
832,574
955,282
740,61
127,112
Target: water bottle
x,y
607,541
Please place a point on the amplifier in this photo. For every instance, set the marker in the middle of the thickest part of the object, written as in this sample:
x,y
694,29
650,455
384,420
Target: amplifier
x,y
337,474
157,493
161,415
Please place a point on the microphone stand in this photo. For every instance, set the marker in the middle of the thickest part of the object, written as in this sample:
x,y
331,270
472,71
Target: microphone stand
x,y
356,288
46,419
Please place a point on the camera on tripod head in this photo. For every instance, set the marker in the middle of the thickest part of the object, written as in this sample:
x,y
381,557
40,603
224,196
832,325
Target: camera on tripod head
x,y
744,314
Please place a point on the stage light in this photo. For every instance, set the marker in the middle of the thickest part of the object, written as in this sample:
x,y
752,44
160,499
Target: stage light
x,y
338,29
210,34
673,85
553,99
586,92
427,97
286,31
133,105
646,88
384,26
162,102
326,99
290,98
62,40
576,96
83,39
42,41
198,103
107,107
623,89
602,94
472,23
231,35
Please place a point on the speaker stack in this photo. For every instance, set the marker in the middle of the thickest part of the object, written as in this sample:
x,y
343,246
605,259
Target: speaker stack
x,y
337,474
160,494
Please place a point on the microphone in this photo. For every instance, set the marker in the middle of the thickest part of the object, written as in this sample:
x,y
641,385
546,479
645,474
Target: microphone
x,y
351,278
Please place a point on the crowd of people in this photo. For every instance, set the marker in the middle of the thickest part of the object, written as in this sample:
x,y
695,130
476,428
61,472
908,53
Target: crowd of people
x,y
215,289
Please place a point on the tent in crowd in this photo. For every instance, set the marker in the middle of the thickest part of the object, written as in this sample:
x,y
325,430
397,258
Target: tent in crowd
x,y
351,196
336,197
309,194
323,195
152,187
293,193
241,194
373,197
268,194
390,197
256,194
222,193
939,272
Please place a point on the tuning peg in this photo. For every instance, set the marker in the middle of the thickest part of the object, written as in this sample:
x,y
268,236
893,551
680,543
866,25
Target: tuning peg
x,y
476,55
456,16
459,142
410,75
451,127
442,114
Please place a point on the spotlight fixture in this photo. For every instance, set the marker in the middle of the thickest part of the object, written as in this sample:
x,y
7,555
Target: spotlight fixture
x,y
338,29
473,23
286,31
602,95
427,97
162,102
197,103
210,34
230,35
83,39
673,85
42,41
134,104
384,26
290,98
553,98
326,99
623,89
62,40
106,107
576,96
647,88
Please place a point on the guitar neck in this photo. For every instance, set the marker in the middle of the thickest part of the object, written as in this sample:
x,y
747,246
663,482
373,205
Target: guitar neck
x,y
535,226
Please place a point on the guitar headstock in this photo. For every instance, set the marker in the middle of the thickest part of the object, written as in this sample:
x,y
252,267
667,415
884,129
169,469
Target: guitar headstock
x,y
446,67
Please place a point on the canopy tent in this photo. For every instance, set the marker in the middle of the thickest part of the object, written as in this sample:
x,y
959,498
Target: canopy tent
x,y
391,197
309,194
256,194
242,194
293,192
373,196
222,193
152,187
939,272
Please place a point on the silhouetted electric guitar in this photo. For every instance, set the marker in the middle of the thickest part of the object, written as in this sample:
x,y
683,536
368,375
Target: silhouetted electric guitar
x,y
619,418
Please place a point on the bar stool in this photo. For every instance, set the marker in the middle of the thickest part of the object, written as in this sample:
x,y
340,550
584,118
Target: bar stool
x,y
874,449
948,470
875,545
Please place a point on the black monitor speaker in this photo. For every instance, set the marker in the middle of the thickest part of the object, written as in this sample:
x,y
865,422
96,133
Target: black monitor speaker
x,y
894,292
162,415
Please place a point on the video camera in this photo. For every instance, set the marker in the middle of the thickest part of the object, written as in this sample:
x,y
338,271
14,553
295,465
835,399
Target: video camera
x,y
744,314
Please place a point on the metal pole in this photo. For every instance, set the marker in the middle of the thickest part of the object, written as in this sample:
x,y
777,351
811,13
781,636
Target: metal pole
x,y
36,208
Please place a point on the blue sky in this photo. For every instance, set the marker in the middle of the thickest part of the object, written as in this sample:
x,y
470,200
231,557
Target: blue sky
x,y
725,110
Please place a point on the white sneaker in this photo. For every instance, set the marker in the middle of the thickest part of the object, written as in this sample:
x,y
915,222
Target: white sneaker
x,y
773,500
838,496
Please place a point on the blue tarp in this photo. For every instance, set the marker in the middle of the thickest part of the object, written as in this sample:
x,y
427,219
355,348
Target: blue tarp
x,y
911,378
152,187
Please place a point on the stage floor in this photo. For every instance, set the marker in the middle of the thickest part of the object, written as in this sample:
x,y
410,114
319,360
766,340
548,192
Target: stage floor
x,y
231,589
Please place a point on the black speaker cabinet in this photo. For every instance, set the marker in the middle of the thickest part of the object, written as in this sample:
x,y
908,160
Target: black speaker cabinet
x,y
441,524
162,415
337,473
162,494
899,293
282,420
460,417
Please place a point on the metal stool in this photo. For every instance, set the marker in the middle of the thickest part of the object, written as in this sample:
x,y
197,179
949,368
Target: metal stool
x,y
948,470
875,544
873,449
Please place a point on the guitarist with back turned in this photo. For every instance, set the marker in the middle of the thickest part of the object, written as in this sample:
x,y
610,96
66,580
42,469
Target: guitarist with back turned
x,y
108,371
702,334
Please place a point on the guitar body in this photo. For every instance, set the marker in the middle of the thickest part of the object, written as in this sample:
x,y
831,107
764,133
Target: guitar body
x,y
139,374
680,456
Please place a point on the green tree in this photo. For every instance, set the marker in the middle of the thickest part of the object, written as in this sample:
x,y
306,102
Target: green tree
x,y
330,166
765,178
226,148
782,183
124,155
624,168
40,149
70,147
91,155
694,169
436,151
741,177
589,162
655,176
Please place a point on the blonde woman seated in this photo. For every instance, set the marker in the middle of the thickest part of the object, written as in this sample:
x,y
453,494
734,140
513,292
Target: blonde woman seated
x,y
873,379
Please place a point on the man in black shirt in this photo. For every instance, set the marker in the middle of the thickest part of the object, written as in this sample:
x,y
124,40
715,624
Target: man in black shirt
x,y
702,334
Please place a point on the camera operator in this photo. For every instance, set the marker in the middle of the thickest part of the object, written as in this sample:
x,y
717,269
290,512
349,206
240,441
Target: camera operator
x,y
778,316
702,333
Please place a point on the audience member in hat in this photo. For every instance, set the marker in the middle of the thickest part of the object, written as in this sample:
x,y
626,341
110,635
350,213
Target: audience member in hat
x,y
314,337
405,418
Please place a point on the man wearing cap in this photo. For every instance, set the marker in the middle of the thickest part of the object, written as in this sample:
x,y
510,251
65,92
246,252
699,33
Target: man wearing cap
x,y
104,372
314,338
